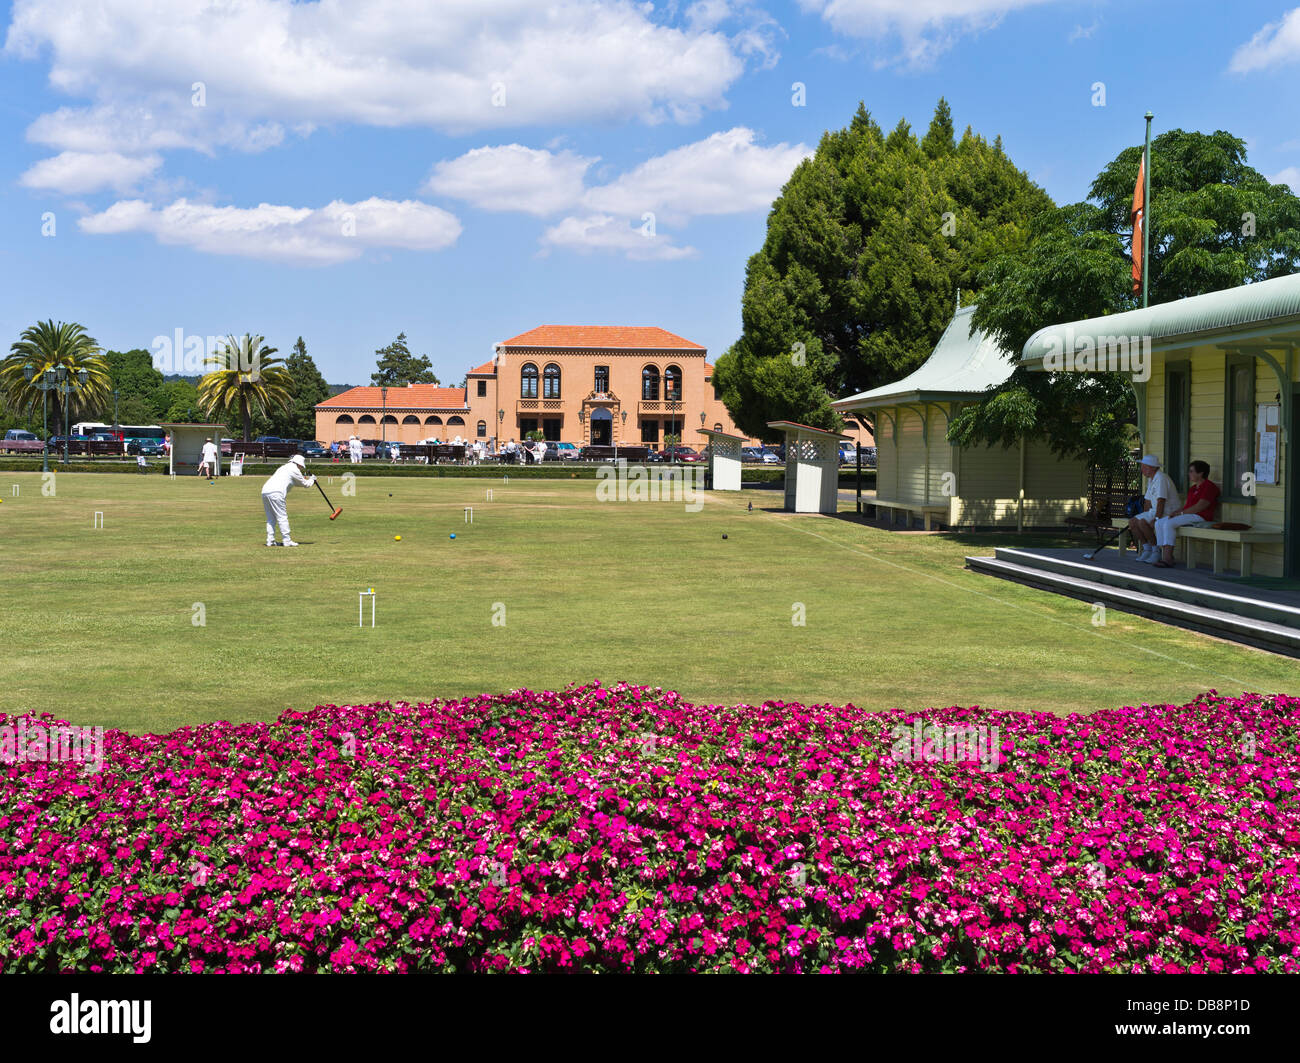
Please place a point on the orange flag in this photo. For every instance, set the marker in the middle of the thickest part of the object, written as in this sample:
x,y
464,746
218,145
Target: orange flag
x,y
1138,216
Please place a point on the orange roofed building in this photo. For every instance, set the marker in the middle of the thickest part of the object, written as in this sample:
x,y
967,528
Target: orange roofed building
x,y
588,384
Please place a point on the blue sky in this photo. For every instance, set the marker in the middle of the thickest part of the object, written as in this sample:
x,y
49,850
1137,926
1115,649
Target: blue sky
x,y
464,170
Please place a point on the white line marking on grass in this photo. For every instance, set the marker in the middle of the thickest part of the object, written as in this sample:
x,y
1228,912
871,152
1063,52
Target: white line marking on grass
x,y
994,598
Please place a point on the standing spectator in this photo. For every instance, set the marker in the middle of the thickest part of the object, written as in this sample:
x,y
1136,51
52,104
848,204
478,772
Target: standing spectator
x,y
354,449
1202,499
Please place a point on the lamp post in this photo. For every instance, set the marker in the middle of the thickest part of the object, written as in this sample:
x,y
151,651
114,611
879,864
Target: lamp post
x,y
115,427
623,415
65,392
383,417
47,383
582,420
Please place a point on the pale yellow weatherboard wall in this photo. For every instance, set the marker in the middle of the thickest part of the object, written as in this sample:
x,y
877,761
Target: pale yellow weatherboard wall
x,y
1209,377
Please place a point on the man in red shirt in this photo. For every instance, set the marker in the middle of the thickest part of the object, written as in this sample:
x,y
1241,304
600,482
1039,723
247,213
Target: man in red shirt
x,y
1202,501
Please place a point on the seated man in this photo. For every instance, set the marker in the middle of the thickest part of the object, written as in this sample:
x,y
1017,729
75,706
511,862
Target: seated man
x,y
1202,499
1161,498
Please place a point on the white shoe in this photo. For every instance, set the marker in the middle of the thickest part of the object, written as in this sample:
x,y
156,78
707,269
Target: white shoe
x,y
1148,555
290,542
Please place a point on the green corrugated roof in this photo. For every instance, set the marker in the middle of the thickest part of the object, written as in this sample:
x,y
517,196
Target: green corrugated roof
x,y
1260,305
964,363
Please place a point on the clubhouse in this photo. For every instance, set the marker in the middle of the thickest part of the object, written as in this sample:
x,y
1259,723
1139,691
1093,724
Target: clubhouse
x,y
591,384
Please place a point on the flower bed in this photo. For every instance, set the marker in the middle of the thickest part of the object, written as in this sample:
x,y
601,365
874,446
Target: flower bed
x,y
623,829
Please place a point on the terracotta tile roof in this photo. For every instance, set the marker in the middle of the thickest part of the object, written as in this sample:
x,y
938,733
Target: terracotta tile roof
x,y
416,396
486,369
601,336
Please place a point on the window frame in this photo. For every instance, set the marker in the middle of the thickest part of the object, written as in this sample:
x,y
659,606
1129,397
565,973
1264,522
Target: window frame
x,y
1230,485
525,378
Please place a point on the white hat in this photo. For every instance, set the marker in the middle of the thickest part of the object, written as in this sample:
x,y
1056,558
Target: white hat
x,y
299,460
1150,459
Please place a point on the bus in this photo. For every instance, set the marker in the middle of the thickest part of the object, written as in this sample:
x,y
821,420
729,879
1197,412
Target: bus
x,y
124,432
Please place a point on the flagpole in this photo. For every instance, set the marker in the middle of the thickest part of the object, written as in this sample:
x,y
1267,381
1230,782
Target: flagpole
x,y
1146,209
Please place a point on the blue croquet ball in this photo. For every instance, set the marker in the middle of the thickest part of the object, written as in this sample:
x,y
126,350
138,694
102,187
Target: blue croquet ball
x,y
724,536
453,535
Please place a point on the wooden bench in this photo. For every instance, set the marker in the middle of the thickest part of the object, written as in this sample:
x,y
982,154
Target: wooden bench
x,y
1223,539
928,513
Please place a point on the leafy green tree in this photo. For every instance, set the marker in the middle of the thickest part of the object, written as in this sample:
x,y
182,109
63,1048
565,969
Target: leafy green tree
x,y
132,375
397,366
180,400
50,346
1214,223
865,248
309,388
245,379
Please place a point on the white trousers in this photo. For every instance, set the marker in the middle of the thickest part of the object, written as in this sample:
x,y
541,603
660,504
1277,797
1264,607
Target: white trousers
x,y
1166,527
276,513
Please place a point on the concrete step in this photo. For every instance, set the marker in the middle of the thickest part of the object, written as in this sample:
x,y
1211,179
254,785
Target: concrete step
x,y
1140,578
1247,630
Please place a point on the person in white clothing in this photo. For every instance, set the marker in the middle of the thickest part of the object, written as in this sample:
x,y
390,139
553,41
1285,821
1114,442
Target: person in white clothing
x,y
354,449
210,465
1160,501
275,493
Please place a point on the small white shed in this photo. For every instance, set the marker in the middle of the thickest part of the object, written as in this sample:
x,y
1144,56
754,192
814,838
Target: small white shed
x,y
812,467
723,454
187,445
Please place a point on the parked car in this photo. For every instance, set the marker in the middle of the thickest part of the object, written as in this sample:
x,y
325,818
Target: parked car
x,y
228,447
17,441
848,454
313,449
270,439
680,453
751,454
150,448
370,447
653,455
566,451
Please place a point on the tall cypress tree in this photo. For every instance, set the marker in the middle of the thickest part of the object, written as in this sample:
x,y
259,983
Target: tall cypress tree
x,y
865,248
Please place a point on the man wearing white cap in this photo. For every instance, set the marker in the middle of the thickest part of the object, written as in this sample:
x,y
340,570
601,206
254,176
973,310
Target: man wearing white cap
x,y
275,494
1161,500
354,449
211,463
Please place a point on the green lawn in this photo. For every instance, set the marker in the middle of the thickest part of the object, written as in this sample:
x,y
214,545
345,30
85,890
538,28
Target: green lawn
x,y
97,626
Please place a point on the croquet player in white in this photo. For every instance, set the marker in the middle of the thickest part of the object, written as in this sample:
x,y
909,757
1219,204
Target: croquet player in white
x,y
211,463
275,492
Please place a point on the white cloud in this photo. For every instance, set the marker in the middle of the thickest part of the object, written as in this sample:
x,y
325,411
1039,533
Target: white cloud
x,y
513,177
926,28
75,173
334,233
1290,175
271,64
726,173
1276,44
602,232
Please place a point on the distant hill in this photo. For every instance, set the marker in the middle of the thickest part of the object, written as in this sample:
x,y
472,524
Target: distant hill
x,y
334,389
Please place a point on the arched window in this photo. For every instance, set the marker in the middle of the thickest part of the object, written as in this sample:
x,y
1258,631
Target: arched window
x,y
432,419
528,381
365,418
481,430
459,421
344,418
649,383
410,418
389,419
673,384
717,427
551,382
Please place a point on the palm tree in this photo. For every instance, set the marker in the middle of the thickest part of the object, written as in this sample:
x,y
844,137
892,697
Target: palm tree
x,y
47,345
245,377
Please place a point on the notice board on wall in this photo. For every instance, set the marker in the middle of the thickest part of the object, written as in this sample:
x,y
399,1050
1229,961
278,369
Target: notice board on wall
x,y
1267,437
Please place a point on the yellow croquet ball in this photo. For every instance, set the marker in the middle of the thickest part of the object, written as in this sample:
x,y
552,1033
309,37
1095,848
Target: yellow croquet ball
x,y
397,538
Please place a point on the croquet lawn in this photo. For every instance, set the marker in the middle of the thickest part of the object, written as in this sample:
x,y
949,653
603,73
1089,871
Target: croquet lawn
x,y
175,612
